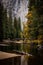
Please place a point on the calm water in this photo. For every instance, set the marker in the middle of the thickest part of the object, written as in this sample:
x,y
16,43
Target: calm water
x,y
24,60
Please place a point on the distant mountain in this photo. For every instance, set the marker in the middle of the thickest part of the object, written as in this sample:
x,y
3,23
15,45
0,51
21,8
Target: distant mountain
x,y
19,8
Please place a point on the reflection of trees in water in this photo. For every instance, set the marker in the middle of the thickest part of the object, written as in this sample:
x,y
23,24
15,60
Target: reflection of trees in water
x,y
24,60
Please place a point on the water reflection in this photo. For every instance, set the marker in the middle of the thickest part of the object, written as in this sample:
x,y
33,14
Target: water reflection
x,y
24,60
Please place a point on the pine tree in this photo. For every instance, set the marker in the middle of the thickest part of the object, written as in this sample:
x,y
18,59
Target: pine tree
x,y
34,25
19,28
10,24
19,23
1,21
15,27
38,4
5,25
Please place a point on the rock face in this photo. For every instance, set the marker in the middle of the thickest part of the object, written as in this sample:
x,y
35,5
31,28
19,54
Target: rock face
x,y
19,7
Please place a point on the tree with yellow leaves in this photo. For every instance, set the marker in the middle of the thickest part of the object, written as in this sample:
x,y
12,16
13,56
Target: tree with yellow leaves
x,y
31,26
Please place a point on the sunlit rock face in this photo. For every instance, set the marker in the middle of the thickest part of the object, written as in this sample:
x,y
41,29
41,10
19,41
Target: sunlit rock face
x,y
19,8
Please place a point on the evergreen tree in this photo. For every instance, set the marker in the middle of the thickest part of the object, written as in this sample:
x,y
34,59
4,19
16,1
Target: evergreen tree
x,y
34,24
38,4
19,23
1,21
17,27
10,24
5,25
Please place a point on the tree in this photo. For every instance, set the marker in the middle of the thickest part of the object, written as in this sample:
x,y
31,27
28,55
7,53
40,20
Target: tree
x,y
10,24
17,27
38,5
32,24
5,25
25,30
19,23
1,21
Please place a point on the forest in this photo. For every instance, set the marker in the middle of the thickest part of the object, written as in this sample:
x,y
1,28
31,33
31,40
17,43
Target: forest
x,y
10,28
31,37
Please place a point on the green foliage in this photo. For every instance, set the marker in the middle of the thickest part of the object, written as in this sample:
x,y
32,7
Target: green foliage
x,y
17,26
37,17
5,25
1,21
7,28
33,25
10,25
